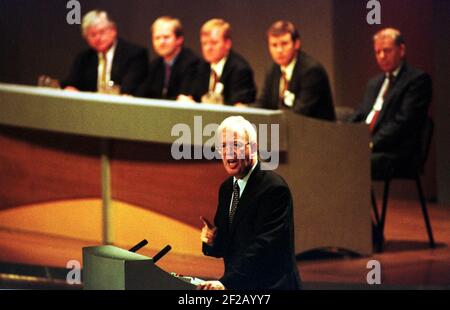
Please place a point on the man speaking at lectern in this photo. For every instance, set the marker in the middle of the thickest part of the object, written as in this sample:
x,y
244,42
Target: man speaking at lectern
x,y
253,228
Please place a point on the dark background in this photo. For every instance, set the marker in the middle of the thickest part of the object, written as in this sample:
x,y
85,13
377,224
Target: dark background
x,y
36,39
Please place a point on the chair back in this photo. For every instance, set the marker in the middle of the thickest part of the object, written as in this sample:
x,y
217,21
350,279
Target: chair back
x,y
425,142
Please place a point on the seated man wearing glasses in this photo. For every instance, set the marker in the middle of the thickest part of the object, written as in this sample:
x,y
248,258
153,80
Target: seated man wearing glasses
x,y
109,59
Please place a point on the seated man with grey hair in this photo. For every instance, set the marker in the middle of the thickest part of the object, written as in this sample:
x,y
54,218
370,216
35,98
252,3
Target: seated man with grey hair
x,y
395,105
253,229
108,61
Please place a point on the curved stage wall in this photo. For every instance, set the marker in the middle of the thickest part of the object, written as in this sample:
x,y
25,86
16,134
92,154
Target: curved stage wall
x,y
98,168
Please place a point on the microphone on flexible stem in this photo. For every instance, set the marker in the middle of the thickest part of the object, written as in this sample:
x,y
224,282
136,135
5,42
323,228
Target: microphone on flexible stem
x,y
161,253
138,246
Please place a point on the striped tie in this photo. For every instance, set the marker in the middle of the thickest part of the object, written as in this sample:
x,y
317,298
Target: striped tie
x,y
102,64
284,86
234,203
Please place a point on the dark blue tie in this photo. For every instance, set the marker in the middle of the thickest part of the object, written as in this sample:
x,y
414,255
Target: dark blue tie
x,y
167,73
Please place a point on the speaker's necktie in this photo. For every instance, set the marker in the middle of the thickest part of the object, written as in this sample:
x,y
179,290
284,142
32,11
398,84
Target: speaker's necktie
x,y
235,202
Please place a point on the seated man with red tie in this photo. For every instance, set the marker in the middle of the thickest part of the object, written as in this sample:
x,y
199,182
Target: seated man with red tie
x,y
109,60
296,81
395,105
223,76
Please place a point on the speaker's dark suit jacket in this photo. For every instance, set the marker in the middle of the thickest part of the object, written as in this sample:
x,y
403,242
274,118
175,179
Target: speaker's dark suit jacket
x,y
309,83
237,79
258,247
129,68
404,111
183,73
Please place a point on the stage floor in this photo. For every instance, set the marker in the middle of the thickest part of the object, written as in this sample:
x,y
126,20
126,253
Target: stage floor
x,y
406,262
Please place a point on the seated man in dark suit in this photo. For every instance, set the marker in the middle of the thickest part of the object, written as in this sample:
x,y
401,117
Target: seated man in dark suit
x,y
395,105
253,228
224,76
108,61
173,72
296,80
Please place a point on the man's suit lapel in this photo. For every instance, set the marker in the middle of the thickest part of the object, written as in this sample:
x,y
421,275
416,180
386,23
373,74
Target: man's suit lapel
x,y
117,60
293,84
203,83
225,203
158,82
226,69
370,100
276,75
175,69
92,74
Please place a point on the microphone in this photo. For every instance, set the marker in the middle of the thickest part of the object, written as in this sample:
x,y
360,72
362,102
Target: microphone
x,y
161,253
138,246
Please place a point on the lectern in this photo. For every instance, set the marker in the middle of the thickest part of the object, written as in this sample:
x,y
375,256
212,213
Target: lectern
x,y
111,268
